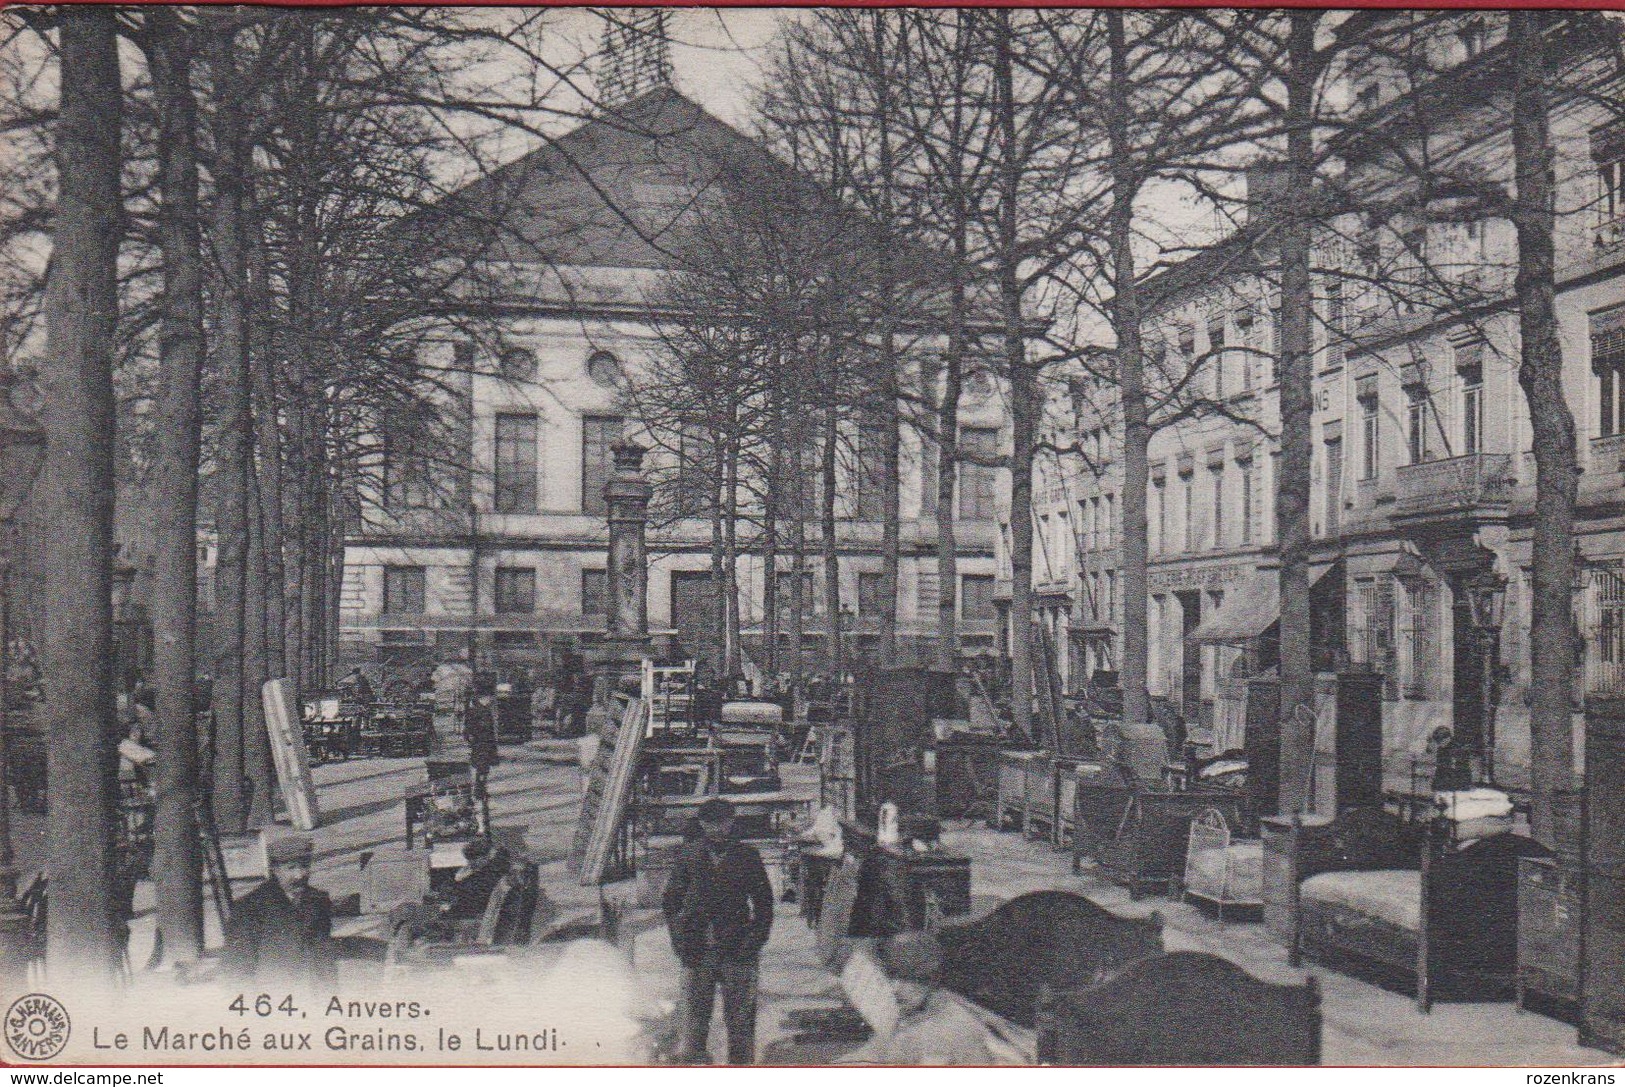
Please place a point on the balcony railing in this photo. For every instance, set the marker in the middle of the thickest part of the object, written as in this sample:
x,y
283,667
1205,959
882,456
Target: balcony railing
x,y
1609,235
1608,453
1456,485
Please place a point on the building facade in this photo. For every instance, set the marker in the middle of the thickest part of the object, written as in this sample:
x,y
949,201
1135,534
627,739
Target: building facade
x,y
513,561
1423,483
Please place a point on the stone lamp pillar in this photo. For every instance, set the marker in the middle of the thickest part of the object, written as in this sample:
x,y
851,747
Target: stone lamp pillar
x,y
626,638
627,497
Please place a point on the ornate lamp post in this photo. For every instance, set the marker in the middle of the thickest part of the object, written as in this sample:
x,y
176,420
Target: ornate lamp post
x,y
22,451
1486,597
626,636
844,624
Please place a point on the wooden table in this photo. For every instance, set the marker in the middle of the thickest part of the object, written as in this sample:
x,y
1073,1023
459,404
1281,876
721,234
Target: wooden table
x,y
776,805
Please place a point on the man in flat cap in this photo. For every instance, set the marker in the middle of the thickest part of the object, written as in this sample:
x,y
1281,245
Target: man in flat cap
x,y
719,910
282,930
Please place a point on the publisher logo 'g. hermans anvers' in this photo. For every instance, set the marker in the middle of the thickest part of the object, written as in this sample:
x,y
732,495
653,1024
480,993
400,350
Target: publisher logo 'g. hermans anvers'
x,y
37,1027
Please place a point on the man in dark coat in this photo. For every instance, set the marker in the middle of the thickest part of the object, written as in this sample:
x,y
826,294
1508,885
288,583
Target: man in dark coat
x,y
282,930
470,893
719,910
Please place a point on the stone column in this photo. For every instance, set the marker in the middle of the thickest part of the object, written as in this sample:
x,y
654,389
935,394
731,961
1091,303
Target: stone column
x,y
627,497
626,636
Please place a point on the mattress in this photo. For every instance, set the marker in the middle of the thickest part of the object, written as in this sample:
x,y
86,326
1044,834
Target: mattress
x,y
1476,813
1467,805
1205,873
1390,895
752,713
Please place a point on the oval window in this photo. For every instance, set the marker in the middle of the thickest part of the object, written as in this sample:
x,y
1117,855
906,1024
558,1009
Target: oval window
x,y
519,364
604,368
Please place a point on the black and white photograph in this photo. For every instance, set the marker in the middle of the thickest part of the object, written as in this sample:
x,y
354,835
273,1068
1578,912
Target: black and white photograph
x,y
812,536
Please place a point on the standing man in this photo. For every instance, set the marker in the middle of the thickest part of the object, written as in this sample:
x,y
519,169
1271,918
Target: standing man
x,y
282,930
719,910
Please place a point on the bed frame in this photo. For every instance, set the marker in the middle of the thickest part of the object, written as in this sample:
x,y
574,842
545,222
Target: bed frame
x,y
1183,1008
1139,836
1045,941
1469,920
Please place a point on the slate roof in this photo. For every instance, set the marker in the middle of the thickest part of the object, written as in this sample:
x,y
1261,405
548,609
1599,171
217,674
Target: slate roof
x,y
629,188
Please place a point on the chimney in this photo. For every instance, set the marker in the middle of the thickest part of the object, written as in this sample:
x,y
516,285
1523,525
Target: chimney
x,y
635,57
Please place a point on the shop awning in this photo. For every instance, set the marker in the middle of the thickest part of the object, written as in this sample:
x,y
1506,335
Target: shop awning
x,y
1250,608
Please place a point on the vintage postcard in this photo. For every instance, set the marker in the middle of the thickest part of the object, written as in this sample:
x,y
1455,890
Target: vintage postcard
x,y
805,536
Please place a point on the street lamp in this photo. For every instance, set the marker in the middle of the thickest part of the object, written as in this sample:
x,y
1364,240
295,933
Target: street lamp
x,y
845,620
22,451
1486,599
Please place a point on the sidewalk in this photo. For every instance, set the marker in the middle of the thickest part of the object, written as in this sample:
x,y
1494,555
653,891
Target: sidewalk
x,y
535,796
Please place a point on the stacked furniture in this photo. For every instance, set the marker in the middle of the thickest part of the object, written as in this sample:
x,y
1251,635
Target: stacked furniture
x,y
396,730
1039,797
1138,834
444,805
901,888
967,775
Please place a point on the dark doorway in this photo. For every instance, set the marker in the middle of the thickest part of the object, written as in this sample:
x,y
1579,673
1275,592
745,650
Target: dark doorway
x,y
1190,684
692,609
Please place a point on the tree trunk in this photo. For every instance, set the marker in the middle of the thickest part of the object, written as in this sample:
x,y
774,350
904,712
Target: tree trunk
x,y
176,863
770,560
1297,405
319,533
891,437
74,497
1130,367
268,438
1024,405
235,429
733,658
719,567
798,560
1540,373
257,765
831,550
947,453
295,526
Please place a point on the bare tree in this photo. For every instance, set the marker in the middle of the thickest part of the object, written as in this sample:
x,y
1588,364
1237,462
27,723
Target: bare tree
x,y
1540,373
75,497
176,862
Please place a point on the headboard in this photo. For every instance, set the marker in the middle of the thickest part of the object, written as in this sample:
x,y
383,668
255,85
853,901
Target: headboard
x,y
1052,940
1359,839
1183,1008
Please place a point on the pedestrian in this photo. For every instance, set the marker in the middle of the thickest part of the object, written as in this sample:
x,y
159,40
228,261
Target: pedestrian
x,y
719,911
480,733
282,930
357,687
